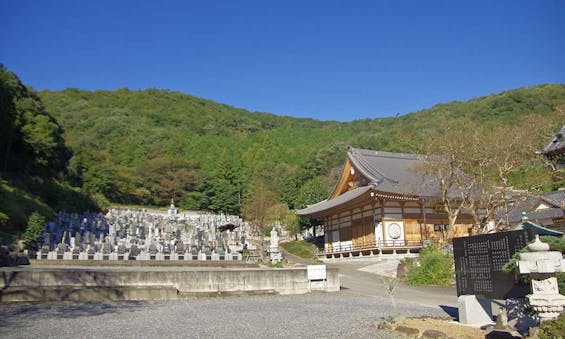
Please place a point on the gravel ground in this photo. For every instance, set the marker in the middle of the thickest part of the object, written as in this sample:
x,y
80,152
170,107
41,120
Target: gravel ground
x,y
319,315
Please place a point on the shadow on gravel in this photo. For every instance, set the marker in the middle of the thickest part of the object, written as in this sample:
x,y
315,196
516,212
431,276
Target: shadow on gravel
x,y
451,311
17,314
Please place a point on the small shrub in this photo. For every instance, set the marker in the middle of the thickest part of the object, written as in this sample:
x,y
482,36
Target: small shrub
x,y
552,329
434,268
277,265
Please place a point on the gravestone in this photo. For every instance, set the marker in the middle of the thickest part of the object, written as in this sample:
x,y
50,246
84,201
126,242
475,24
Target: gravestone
x,y
76,253
153,251
478,265
91,252
133,252
61,249
121,251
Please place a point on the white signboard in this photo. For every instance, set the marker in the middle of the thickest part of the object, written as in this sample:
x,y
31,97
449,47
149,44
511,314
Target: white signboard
x,y
316,272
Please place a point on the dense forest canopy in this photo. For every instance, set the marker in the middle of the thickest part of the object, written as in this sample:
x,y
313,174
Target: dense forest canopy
x,y
146,147
33,158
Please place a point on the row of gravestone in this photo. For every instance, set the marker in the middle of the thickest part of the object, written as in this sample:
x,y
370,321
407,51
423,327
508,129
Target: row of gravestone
x,y
75,255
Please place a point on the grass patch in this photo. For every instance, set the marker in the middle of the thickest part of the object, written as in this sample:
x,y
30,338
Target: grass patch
x,y
301,249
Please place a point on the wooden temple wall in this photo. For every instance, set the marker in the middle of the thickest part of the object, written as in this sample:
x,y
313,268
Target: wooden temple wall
x,y
355,228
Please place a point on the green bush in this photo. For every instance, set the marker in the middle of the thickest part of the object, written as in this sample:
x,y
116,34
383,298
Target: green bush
x,y
433,268
277,265
553,329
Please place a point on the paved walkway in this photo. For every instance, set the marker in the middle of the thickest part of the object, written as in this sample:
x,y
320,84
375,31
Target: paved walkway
x,y
356,281
369,277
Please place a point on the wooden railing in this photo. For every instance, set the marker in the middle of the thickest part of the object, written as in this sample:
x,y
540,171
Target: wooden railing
x,y
373,246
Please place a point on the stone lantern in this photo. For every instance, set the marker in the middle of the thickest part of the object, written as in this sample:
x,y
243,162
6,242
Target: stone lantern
x,y
541,265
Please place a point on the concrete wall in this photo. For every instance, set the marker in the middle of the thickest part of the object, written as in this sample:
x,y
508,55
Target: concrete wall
x,y
147,284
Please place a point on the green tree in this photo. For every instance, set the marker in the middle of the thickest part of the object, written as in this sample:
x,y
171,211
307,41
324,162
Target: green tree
x,y
32,140
292,224
313,191
256,206
35,227
223,197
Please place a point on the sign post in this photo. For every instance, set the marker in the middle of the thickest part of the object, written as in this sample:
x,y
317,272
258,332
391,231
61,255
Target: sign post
x,y
316,273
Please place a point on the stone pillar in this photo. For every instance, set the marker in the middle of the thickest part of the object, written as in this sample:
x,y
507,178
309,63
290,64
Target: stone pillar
x,y
542,264
274,255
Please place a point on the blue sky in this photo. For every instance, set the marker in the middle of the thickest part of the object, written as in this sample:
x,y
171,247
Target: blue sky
x,y
328,60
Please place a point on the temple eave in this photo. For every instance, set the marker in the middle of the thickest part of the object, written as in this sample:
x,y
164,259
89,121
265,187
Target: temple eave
x,y
350,199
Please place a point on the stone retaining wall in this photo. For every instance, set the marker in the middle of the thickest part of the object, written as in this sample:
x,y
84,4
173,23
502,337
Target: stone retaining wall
x,y
99,284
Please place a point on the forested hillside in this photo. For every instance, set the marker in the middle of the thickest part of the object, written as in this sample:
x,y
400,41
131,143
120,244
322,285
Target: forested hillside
x,y
146,147
33,159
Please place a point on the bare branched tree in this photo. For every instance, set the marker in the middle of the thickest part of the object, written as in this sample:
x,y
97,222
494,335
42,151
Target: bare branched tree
x,y
446,157
256,208
472,165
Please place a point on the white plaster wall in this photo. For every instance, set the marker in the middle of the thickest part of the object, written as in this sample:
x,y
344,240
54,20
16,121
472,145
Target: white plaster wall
x,y
390,240
379,233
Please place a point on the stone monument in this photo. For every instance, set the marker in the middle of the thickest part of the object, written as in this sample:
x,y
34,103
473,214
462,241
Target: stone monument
x,y
172,210
274,254
541,265
480,277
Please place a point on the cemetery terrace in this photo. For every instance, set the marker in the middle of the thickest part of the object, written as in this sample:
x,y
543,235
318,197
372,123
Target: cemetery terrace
x,y
144,235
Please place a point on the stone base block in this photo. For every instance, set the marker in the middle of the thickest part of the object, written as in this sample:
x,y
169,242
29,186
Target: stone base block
x,y
474,311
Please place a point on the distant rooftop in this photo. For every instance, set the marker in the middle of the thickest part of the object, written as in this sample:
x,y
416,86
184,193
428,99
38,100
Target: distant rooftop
x,y
553,200
556,146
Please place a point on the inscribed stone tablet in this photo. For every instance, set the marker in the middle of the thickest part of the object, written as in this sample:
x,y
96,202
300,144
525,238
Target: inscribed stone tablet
x,y
479,260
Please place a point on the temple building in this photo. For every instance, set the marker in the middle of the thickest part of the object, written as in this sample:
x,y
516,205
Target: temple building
x,y
382,203
546,209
